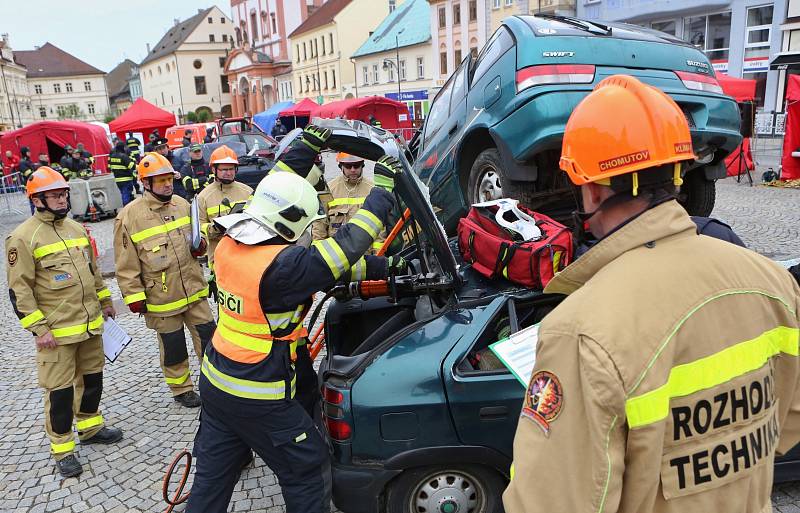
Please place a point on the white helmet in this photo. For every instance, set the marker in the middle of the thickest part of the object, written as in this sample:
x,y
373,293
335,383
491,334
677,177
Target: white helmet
x,y
514,220
286,204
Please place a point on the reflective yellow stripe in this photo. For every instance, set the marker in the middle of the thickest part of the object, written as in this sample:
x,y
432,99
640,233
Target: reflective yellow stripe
x,y
162,228
77,330
204,229
55,247
245,388
346,201
123,179
180,380
358,271
281,166
259,345
31,318
556,260
139,296
378,244
333,255
61,448
250,328
221,209
511,471
103,293
89,423
179,303
710,372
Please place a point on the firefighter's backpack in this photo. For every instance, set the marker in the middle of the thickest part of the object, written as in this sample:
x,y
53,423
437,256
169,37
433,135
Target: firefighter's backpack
x,y
502,238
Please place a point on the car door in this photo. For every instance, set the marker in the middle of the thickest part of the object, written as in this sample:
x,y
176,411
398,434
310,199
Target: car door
x,y
492,79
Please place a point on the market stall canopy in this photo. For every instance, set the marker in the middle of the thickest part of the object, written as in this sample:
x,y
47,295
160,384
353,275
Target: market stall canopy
x,y
392,114
791,139
741,89
142,117
305,108
265,120
51,136
785,61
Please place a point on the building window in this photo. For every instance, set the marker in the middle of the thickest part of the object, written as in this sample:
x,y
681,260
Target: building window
x,y
457,14
211,38
402,71
314,48
222,20
325,76
323,44
443,62
69,86
224,38
333,79
392,5
224,85
200,85
151,73
274,22
210,19
61,110
442,18
42,112
495,4
710,34
457,57
167,67
197,64
238,36
420,67
668,27
374,73
509,3
37,89
759,25
222,62
300,84
254,24
390,71
365,75
297,51
90,108
473,10
305,54
56,88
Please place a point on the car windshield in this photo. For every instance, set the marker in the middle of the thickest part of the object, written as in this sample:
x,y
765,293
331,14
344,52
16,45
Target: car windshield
x,y
181,155
252,141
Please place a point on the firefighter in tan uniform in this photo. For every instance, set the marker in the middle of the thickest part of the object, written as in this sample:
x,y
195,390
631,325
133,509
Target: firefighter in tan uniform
x,y
667,380
159,275
221,197
59,296
346,195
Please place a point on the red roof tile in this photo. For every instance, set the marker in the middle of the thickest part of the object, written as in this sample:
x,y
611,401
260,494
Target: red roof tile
x,y
322,16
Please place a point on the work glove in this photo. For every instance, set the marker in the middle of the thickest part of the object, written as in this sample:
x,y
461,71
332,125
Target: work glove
x,y
385,170
315,137
138,307
192,185
200,251
396,265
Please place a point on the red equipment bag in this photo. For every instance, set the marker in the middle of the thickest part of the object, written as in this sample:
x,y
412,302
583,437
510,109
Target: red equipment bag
x,y
493,252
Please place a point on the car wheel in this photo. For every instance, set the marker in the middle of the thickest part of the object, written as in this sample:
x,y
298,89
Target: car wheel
x,y
484,183
446,489
697,194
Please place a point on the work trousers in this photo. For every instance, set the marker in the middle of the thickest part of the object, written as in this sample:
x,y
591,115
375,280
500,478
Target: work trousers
x,y
279,431
72,378
174,356
126,190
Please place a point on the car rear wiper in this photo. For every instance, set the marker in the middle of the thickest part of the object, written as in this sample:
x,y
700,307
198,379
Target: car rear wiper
x,y
589,26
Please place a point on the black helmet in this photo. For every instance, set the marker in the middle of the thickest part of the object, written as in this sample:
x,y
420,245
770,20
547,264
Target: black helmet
x,y
120,146
24,150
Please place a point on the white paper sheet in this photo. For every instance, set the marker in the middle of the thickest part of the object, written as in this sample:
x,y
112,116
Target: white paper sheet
x,y
518,353
115,339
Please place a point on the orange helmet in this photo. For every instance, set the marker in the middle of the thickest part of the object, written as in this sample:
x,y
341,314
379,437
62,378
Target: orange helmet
x,y
223,155
621,127
346,157
153,164
45,179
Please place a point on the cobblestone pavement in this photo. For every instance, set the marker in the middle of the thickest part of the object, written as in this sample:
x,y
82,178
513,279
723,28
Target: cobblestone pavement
x,y
127,477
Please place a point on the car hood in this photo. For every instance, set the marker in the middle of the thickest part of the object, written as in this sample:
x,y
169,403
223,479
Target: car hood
x,y
371,143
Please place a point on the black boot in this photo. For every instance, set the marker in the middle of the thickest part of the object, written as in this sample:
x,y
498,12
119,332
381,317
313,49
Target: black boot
x,y
69,466
188,399
106,435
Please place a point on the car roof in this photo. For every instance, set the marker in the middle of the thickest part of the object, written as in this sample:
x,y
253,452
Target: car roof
x,y
553,26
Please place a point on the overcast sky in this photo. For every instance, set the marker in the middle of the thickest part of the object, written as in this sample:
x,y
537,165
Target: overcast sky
x,y
100,32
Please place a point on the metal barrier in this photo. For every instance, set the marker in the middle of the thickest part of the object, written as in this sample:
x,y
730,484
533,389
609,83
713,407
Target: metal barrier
x,y
12,191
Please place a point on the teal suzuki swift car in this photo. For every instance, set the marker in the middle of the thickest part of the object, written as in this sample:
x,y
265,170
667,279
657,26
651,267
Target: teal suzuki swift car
x,y
494,129
419,414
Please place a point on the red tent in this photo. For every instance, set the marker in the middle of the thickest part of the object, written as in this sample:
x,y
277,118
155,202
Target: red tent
x,y
143,117
791,140
305,108
392,114
51,136
742,90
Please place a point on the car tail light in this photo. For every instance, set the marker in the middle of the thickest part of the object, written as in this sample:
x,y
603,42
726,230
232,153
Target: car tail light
x,y
338,429
699,82
332,396
554,74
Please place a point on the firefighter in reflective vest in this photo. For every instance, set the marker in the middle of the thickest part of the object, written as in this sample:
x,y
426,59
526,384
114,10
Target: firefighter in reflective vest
x,y
59,296
669,378
196,175
267,271
346,195
123,168
159,275
132,144
221,197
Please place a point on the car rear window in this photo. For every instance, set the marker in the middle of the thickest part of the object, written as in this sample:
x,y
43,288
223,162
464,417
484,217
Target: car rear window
x,y
500,42
546,27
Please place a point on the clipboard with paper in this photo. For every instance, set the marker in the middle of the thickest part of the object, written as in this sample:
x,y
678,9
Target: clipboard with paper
x,y
115,339
518,353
